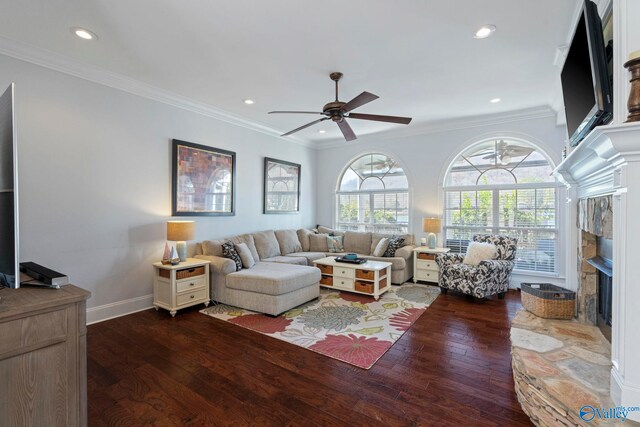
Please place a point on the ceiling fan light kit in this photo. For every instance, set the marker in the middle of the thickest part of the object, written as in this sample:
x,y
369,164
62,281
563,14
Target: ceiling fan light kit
x,y
338,111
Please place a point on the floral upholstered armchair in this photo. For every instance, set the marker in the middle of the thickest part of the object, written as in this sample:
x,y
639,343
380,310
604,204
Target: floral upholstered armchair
x,y
489,277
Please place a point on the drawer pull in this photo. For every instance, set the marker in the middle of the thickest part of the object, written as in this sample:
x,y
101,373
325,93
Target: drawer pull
x,y
192,296
191,284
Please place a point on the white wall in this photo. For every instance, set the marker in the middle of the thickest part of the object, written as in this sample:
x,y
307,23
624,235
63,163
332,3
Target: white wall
x,y
425,159
95,181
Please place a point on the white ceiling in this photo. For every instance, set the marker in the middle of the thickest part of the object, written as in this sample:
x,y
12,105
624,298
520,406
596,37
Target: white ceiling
x,y
419,56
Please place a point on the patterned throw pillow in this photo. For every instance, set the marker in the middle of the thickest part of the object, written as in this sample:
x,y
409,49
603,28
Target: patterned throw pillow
x,y
229,251
334,243
394,244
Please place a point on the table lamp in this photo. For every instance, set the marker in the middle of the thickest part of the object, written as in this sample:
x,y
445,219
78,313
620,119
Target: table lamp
x,y
179,232
431,226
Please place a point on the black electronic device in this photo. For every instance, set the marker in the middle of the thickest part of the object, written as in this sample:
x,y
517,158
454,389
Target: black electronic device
x,y
42,276
586,83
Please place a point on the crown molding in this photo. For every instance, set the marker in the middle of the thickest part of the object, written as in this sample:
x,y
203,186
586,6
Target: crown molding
x,y
63,64
449,125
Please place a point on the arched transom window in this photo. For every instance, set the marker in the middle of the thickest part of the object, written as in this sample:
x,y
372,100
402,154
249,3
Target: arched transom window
x,y
504,187
373,195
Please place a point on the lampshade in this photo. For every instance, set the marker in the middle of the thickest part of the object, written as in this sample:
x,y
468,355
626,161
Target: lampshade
x,y
181,230
431,225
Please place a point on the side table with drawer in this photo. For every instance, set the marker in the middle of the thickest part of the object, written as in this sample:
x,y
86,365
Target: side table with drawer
x,y
424,263
180,286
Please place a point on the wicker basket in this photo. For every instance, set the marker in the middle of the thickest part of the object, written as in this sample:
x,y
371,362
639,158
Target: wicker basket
x,y
548,301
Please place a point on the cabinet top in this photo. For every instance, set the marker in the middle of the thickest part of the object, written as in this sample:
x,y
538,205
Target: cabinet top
x,y
190,262
16,302
426,249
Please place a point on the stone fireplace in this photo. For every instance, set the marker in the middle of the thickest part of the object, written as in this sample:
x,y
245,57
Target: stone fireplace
x,y
602,176
595,220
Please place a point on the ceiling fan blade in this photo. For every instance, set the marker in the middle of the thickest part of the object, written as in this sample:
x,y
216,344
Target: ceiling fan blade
x,y
358,101
379,118
294,112
305,126
346,130
484,153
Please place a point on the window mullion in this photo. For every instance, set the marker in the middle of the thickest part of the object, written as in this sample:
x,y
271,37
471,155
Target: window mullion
x,y
495,223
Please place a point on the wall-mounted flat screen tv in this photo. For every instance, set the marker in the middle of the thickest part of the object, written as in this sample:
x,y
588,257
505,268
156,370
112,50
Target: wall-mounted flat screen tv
x,y
586,84
9,254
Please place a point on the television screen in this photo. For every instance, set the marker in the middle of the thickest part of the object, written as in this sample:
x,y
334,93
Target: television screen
x,y
9,268
586,87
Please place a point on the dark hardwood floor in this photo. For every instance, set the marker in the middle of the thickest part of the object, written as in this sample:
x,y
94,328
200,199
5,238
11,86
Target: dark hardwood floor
x,y
451,368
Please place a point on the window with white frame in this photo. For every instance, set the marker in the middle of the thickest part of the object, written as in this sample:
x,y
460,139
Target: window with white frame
x,y
373,195
504,187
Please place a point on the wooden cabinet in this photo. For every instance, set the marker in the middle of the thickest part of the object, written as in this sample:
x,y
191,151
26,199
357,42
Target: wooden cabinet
x,y
424,264
43,357
180,286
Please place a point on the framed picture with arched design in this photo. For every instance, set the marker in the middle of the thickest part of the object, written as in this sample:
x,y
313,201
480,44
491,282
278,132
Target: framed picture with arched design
x,y
281,187
204,180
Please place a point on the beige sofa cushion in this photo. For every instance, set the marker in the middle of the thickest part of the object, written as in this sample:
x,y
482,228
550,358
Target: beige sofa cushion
x,y
266,244
287,259
288,241
303,237
248,239
245,255
358,242
213,247
273,278
318,243
310,256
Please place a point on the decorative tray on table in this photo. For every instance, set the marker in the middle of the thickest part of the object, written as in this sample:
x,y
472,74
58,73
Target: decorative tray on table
x,y
351,260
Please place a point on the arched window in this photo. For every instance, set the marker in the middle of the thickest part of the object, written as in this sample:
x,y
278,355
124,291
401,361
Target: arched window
x,y
373,195
504,187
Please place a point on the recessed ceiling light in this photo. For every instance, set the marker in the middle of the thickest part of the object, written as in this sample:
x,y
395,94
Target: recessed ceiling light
x,y
248,101
484,32
83,33
495,100
321,131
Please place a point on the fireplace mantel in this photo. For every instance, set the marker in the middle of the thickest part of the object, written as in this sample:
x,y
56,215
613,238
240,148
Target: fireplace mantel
x,y
607,161
591,167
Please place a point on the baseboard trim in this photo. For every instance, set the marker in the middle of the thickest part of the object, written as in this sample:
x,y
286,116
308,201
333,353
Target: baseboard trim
x,y
117,309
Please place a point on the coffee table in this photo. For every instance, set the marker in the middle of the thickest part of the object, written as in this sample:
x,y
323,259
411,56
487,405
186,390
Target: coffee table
x,y
371,278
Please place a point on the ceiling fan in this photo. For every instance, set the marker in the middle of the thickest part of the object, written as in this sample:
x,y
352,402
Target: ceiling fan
x,y
338,111
503,152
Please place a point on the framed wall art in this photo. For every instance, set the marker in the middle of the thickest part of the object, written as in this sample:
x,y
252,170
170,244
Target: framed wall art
x,y
281,187
204,180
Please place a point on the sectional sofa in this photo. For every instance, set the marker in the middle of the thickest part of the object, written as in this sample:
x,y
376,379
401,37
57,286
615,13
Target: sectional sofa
x,y
283,275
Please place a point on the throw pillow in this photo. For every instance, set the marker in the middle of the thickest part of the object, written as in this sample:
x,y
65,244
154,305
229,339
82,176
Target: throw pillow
x,y
394,244
334,243
229,251
381,247
318,243
477,252
245,255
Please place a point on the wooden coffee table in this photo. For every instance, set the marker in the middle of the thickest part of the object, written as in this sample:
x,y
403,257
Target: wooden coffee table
x,y
371,278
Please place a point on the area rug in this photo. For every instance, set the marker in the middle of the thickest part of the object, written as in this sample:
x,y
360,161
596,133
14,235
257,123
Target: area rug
x,y
353,328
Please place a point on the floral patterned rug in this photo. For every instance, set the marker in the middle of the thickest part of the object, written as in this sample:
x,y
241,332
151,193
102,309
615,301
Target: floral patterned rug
x,y
351,327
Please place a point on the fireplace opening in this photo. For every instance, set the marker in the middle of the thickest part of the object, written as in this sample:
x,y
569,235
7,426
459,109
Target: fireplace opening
x,y
604,265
